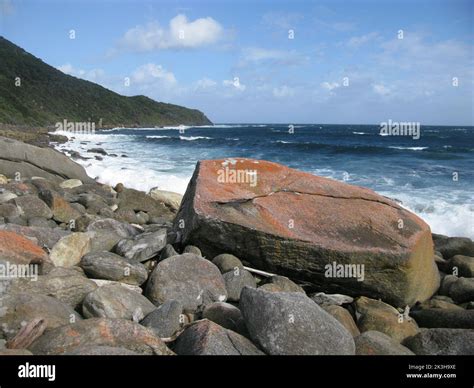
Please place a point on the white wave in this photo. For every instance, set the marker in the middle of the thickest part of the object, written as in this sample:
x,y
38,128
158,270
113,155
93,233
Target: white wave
x,y
91,137
157,137
191,138
232,138
408,148
284,142
447,215
360,133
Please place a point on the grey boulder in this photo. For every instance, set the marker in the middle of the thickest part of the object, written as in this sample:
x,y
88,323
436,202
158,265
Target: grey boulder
x,y
187,278
285,323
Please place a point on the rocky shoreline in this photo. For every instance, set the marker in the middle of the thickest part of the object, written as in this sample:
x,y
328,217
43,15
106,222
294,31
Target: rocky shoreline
x,y
230,269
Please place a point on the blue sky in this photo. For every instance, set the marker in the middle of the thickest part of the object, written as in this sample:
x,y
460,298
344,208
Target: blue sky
x,y
235,61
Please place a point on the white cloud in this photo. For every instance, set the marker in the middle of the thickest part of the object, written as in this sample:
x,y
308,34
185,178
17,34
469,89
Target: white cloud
x,y
255,55
282,20
357,41
283,92
330,85
180,33
205,84
93,75
151,73
235,84
381,89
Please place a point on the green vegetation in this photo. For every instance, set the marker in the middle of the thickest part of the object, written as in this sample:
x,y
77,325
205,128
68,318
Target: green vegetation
x,y
47,95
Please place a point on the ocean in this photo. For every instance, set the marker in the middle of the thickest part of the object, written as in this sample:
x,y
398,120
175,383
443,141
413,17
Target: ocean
x,y
433,176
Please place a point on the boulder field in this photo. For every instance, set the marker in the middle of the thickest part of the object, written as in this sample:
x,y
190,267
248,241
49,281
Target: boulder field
x,y
282,263
296,224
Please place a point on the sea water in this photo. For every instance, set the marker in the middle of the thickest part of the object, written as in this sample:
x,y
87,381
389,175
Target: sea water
x,y
432,175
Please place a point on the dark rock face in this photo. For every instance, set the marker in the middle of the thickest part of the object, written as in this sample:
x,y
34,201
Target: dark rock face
x,y
451,246
100,332
289,323
452,318
288,223
442,342
459,289
29,160
207,338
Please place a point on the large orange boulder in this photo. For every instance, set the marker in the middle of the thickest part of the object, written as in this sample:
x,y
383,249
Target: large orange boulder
x,y
17,249
341,238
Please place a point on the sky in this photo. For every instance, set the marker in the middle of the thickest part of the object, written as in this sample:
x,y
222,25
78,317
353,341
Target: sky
x,y
335,62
